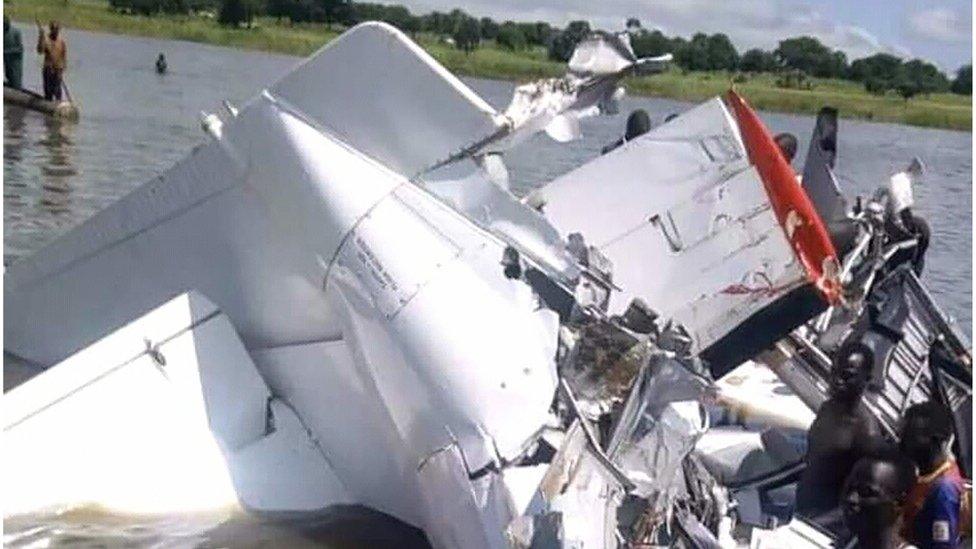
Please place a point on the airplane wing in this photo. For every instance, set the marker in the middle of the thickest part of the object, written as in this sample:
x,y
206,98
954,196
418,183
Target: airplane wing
x,y
700,228
166,414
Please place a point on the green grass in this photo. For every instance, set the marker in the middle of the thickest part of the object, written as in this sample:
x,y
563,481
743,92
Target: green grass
x,y
937,110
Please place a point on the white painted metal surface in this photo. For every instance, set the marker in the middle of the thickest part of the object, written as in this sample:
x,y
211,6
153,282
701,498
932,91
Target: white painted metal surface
x,y
685,221
380,92
167,414
378,355
376,312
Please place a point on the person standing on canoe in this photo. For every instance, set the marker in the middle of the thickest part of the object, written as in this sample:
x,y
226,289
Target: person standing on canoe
x,y
52,46
13,55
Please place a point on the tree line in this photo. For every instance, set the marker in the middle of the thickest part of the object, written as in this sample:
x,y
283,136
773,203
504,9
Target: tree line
x,y
797,58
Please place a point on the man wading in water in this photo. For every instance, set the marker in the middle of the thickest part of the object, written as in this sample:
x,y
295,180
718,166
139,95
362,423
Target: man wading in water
x,y
51,45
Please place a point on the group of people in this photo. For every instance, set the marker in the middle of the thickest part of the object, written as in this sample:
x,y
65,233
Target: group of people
x,y
886,496
50,44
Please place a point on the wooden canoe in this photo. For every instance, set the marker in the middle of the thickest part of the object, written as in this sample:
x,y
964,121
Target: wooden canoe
x,y
30,100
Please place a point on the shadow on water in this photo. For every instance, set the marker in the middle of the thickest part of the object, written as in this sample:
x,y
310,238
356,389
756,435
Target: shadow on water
x,y
339,527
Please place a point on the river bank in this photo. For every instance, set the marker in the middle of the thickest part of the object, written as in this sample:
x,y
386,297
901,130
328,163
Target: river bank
x,y
937,110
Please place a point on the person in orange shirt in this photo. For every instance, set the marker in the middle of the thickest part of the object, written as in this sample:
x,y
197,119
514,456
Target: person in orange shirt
x,y
937,509
52,46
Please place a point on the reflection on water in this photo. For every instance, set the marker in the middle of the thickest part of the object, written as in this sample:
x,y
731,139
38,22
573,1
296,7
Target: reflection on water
x,y
91,526
41,145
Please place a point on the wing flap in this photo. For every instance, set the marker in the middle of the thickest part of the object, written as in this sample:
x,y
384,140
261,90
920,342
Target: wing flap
x,y
167,414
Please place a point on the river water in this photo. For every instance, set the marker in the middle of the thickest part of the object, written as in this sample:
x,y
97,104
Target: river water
x,y
135,124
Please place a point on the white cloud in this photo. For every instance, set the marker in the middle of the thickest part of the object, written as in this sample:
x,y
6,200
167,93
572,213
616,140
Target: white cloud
x,y
942,25
749,23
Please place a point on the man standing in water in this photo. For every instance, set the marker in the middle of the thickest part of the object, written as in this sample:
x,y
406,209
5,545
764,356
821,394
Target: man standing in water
x,y
13,55
842,433
52,46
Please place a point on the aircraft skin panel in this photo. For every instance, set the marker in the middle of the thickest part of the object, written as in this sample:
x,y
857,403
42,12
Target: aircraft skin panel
x,y
381,93
260,249
685,221
617,192
185,425
796,213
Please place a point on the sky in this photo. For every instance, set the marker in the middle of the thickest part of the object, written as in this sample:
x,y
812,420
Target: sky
x,y
939,31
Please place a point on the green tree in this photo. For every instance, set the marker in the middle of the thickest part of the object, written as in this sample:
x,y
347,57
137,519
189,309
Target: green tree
x,y
438,23
926,76
538,33
876,86
832,66
236,12
906,86
722,55
693,55
963,83
757,60
880,66
807,54
489,28
562,45
467,34
510,37
650,44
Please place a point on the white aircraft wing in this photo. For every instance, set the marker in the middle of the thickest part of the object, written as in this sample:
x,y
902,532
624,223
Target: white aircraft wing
x,y
688,223
166,414
381,93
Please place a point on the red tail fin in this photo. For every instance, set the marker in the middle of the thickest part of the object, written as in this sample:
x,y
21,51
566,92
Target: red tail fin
x,y
794,210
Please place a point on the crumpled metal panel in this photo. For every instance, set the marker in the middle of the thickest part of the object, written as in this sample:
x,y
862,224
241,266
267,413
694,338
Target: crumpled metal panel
x,y
381,93
658,428
686,223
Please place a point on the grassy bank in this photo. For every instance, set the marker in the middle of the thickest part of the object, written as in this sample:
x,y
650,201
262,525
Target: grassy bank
x,y
938,110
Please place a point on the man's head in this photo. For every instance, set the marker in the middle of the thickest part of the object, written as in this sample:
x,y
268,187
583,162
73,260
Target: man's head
x,y
787,145
926,433
850,371
54,28
873,493
638,123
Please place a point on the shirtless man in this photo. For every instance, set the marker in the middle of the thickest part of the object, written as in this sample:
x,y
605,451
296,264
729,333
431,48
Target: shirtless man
x,y
842,433
52,46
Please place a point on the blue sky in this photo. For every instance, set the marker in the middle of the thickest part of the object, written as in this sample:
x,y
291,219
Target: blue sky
x,y
939,31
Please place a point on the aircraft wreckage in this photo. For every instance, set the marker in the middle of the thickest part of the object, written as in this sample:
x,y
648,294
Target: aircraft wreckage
x,y
338,301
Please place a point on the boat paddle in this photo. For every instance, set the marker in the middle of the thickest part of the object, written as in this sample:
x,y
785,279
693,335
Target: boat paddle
x,y
67,92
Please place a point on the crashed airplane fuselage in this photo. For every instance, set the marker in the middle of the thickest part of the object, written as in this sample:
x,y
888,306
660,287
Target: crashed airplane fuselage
x,y
341,282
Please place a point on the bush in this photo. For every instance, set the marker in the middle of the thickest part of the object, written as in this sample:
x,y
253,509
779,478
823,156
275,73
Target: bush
x,y
876,85
757,60
235,12
963,83
467,34
794,80
511,38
